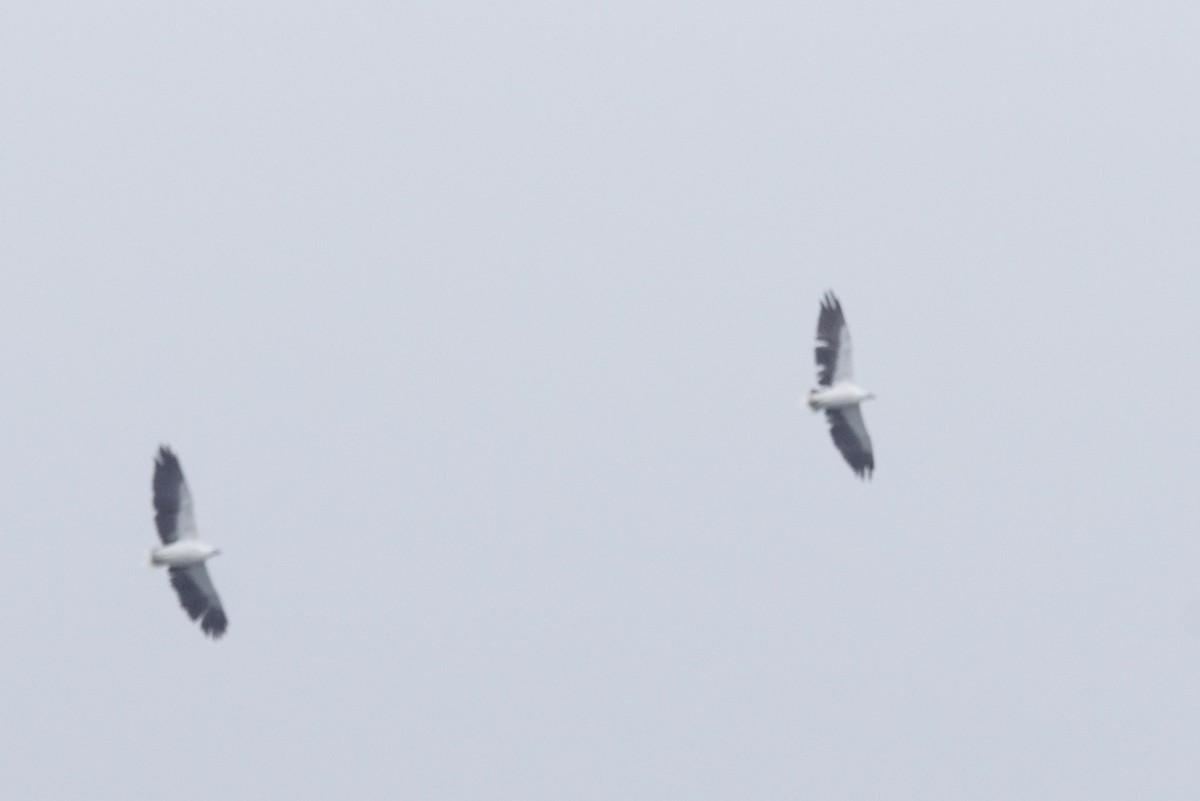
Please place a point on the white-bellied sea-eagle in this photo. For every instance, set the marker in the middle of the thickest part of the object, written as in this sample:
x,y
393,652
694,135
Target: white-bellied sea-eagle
x,y
182,551
837,394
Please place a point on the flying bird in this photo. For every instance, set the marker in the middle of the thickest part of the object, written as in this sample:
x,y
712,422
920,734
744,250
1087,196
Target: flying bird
x,y
182,551
838,395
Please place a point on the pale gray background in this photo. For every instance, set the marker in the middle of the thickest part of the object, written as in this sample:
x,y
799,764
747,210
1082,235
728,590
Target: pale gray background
x,y
481,330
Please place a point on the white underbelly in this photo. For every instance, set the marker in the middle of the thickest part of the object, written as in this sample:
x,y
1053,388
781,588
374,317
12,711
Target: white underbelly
x,y
180,553
836,397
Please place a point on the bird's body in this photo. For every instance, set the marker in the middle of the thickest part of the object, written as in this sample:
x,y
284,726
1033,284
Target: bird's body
x,y
182,552
837,394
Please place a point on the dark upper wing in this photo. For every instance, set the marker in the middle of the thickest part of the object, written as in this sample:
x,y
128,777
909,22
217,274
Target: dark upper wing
x,y
198,596
833,343
172,501
850,435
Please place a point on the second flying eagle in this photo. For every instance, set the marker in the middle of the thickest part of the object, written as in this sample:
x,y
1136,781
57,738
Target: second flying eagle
x,y
837,394
182,551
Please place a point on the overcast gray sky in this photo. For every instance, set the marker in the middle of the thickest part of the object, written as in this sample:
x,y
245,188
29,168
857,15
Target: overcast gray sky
x,y
481,330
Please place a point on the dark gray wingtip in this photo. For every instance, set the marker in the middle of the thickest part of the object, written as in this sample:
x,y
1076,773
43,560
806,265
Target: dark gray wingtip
x,y
198,605
167,488
829,328
861,461
214,623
